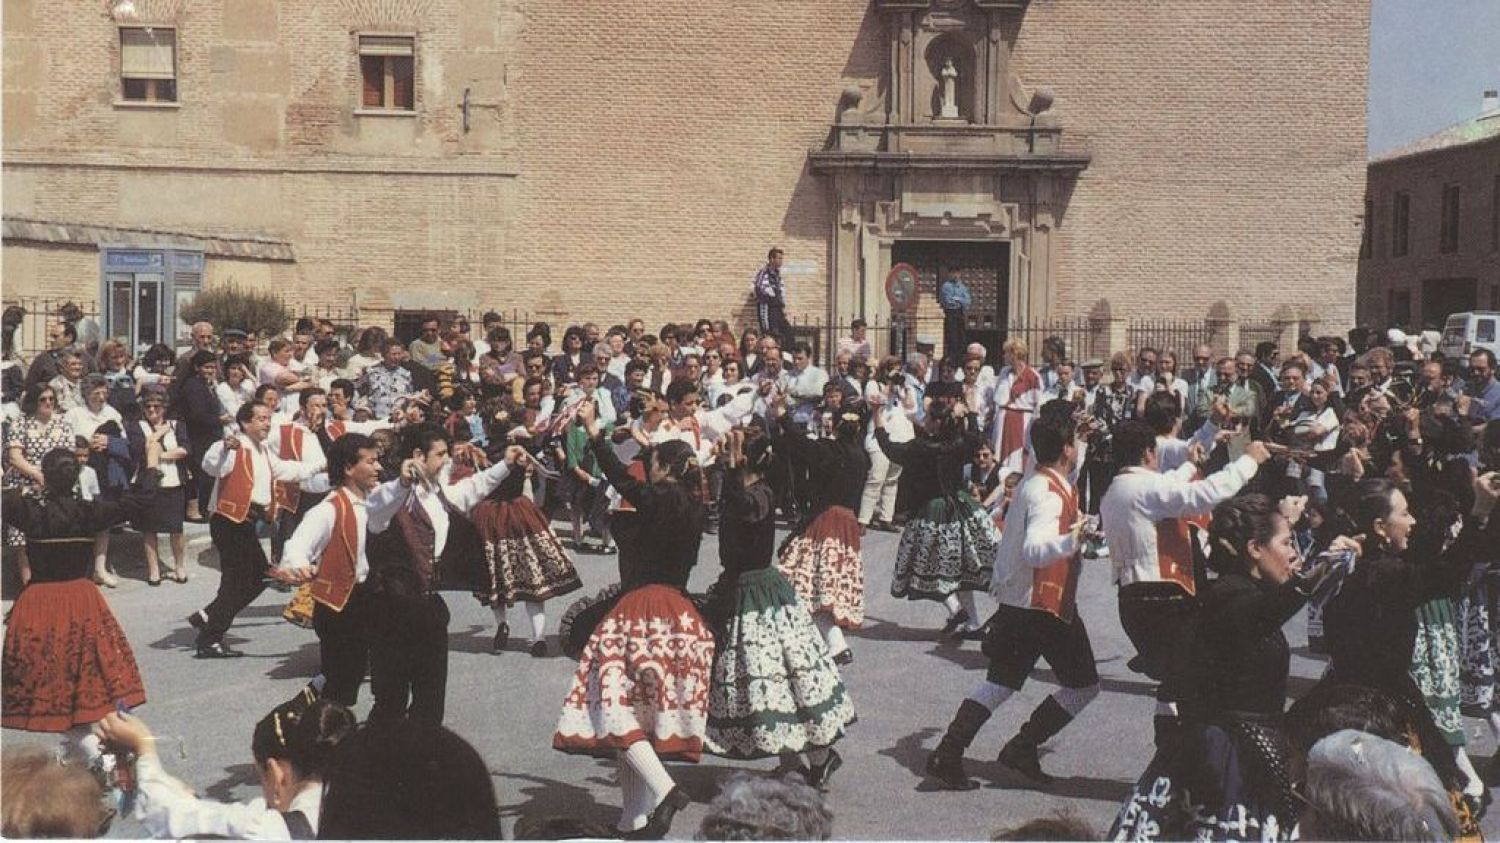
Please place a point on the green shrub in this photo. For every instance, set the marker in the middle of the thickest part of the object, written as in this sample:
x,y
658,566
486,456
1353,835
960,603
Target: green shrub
x,y
231,306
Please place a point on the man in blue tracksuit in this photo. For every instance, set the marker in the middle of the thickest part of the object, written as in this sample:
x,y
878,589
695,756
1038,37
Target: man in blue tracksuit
x,y
954,297
770,299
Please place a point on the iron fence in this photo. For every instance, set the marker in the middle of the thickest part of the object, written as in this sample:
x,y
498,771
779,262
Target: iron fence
x,y
1179,336
1252,335
38,314
901,336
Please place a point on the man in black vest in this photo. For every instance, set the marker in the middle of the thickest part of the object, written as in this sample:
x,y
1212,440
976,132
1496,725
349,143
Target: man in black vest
x,y
425,544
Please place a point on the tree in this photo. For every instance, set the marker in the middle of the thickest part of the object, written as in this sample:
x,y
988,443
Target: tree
x,y
232,306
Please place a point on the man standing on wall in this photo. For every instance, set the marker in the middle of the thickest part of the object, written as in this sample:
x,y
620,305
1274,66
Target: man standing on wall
x,y
770,298
955,300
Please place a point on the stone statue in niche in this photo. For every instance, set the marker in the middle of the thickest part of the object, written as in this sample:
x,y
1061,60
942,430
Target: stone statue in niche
x,y
949,73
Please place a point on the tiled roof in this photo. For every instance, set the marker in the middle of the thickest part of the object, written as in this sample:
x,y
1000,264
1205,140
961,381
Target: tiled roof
x,y
1473,130
51,231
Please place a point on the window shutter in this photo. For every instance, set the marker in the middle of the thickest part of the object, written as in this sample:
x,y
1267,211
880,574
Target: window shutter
x,y
147,54
385,45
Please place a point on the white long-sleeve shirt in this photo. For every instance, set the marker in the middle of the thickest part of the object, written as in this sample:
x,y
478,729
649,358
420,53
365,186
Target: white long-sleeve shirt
x,y
219,461
463,495
1033,538
1172,452
305,548
805,389
707,426
1139,498
169,811
312,451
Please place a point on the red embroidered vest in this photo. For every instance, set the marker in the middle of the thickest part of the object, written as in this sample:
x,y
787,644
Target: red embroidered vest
x,y
285,496
337,567
1054,588
236,488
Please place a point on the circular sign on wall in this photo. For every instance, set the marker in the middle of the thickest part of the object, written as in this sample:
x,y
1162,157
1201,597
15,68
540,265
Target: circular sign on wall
x,y
901,287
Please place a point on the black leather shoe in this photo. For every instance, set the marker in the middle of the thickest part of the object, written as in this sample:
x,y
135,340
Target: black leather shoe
x,y
954,622
660,821
948,771
502,637
818,775
217,650
844,657
539,649
1022,757
197,621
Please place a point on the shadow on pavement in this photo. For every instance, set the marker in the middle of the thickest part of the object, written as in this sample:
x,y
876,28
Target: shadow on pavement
x,y
236,775
543,797
879,629
302,663
911,751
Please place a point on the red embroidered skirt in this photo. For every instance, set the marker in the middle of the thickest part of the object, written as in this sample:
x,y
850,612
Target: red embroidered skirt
x,y
66,660
824,566
524,557
644,675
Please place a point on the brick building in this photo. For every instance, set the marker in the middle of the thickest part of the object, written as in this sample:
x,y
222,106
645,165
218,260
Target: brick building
x,y
577,160
1432,234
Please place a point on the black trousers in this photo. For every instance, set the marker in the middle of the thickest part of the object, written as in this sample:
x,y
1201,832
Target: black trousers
x,y
286,522
1018,637
201,482
955,334
242,568
409,664
344,645
1158,618
772,317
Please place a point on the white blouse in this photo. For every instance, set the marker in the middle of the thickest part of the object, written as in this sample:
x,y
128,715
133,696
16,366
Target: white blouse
x,y
168,810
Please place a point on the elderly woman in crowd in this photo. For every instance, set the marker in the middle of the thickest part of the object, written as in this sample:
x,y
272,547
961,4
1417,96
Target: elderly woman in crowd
x,y
41,428
103,428
164,511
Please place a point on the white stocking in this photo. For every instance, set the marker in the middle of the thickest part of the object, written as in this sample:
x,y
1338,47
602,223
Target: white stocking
x,y
538,616
1475,785
635,798
951,601
966,598
991,695
833,636
643,761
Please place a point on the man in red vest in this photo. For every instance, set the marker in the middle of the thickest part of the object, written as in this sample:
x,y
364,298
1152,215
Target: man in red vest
x,y
1146,516
299,440
245,471
328,550
1036,581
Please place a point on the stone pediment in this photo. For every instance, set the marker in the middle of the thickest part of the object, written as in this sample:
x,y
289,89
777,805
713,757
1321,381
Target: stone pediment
x,y
953,94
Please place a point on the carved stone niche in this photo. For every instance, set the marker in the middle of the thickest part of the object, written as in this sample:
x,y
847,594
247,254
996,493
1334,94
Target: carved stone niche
x,y
968,44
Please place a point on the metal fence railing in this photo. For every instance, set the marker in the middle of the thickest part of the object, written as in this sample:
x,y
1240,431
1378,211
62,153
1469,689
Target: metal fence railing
x,y
1252,335
1179,336
38,314
901,336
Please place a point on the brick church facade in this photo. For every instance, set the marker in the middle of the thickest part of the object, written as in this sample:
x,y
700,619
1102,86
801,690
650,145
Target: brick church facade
x,y
581,160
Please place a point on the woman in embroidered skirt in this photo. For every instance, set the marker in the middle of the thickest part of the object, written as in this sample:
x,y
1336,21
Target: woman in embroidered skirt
x,y
775,691
822,561
1226,776
66,661
526,562
948,547
640,693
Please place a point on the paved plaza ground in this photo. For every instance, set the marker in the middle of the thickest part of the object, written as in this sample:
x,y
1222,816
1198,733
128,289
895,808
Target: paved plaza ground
x,y
906,684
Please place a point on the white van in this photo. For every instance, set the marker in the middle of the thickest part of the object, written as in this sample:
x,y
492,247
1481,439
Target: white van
x,y
1466,333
